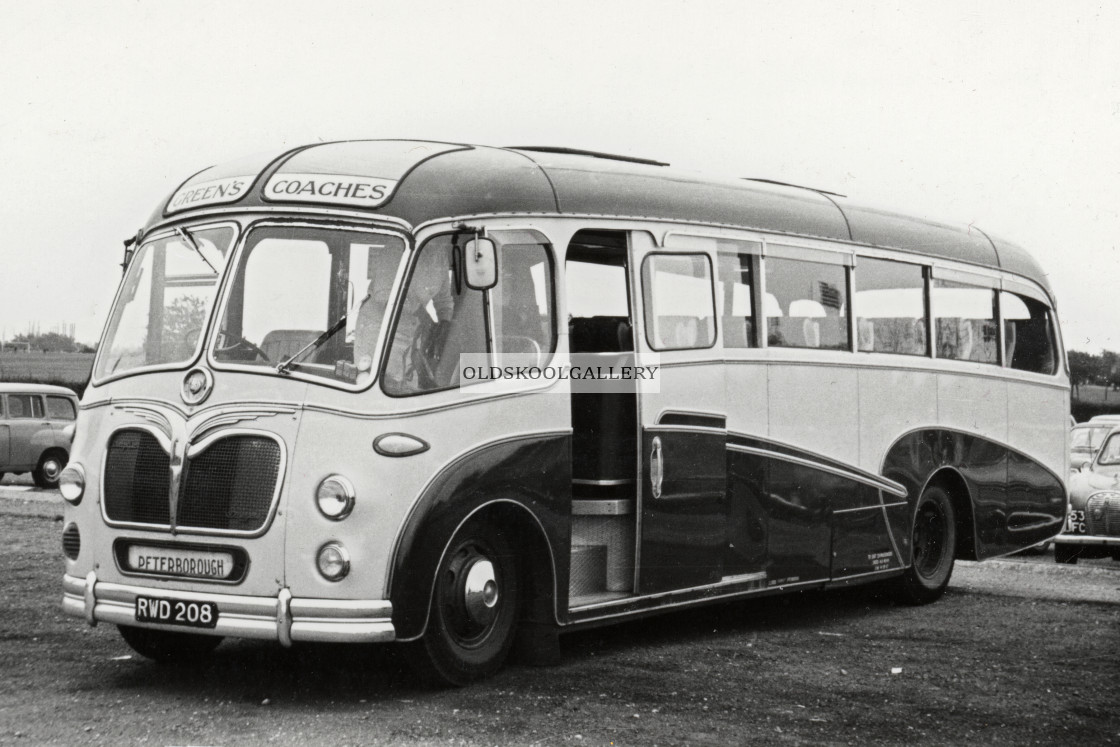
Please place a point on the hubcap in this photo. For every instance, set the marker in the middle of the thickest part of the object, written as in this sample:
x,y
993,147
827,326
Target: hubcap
x,y
52,468
480,592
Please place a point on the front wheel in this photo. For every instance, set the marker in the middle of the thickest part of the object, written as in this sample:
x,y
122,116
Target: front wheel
x,y
169,648
474,610
934,541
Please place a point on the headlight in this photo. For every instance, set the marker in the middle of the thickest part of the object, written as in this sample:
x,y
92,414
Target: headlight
x,y
335,497
72,483
333,561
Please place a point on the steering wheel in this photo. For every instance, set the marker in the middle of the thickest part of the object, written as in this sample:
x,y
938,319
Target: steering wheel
x,y
240,343
418,364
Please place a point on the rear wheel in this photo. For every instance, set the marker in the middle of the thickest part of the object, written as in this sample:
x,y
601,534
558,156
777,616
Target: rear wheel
x,y
1066,554
50,467
474,611
169,648
934,540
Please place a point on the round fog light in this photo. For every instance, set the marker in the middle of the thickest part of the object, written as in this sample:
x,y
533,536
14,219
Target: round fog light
x,y
334,561
335,497
72,483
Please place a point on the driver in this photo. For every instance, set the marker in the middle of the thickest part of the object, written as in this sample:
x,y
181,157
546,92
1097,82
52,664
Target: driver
x,y
428,311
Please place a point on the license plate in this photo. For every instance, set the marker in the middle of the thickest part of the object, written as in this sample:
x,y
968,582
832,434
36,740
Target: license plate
x,y
176,612
174,561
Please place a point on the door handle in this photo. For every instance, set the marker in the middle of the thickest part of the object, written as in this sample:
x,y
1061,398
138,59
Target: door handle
x,y
656,467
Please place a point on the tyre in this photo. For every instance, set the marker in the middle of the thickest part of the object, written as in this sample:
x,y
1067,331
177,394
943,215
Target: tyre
x,y
1066,554
169,648
51,464
934,543
474,611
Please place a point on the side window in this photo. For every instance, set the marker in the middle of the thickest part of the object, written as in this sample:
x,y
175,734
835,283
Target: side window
x,y
24,406
439,321
680,307
60,408
890,307
521,302
966,322
805,304
736,275
1028,334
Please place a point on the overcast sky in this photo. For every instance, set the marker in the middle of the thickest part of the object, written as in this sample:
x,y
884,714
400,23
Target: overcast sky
x,y
1006,115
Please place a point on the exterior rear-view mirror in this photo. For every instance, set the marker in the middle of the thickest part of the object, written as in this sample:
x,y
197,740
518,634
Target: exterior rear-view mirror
x,y
480,256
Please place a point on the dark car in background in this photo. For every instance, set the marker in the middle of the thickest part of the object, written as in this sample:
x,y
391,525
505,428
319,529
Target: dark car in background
x,y
1092,527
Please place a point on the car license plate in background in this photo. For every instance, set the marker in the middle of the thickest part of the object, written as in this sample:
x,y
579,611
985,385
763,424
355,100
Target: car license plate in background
x,y
174,561
176,612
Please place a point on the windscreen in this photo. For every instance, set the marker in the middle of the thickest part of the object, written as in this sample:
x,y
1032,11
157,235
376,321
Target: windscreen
x,y
164,301
309,301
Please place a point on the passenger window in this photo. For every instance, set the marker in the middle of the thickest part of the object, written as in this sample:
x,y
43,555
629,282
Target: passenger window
x,y
805,304
521,302
1028,335
890,307
60,408
24,406
736,275
680,306
439,321
966,322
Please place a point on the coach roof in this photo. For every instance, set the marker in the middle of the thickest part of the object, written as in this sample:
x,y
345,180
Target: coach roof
x,y
420,181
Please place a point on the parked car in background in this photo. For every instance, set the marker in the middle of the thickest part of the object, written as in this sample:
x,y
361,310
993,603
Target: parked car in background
x,y
36,428
1084,441
1092,527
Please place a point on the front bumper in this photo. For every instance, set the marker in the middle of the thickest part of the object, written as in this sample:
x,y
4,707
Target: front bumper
x,y
281,618
1095,540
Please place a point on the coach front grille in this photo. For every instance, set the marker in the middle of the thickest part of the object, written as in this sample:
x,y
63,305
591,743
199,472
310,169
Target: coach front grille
x,y
1102,515
230,485
137,479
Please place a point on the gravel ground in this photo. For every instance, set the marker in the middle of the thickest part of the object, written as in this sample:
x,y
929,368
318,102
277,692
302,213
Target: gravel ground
x,y
1019,651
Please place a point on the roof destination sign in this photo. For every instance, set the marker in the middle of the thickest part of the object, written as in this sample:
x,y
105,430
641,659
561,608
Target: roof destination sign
x,y
215,191
332,189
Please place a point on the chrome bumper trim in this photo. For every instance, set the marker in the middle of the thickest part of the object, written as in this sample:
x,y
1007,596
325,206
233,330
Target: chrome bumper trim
x,y
1087,539
281,618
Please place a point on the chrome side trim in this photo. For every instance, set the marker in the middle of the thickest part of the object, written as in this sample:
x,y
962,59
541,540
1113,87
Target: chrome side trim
x,y
602,483
881,483
875,507
659,428
724,583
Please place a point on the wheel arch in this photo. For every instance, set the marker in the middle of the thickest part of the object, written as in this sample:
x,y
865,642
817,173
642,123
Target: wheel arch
x,y
953,482
522,486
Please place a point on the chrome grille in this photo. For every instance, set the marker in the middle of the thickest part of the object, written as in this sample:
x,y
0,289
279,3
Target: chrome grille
x,y
230,485
137,479
1102,515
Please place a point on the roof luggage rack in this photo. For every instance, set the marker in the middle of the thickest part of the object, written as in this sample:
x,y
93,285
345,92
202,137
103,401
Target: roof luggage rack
x,y
590,153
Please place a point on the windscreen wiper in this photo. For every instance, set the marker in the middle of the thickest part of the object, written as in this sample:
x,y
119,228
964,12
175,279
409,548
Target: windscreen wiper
x,y
182,232
285,365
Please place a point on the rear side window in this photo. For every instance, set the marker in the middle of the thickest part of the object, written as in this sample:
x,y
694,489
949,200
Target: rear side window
x,y
1028,334
966,322
61,408
890,307
805,304
680,306
25,406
